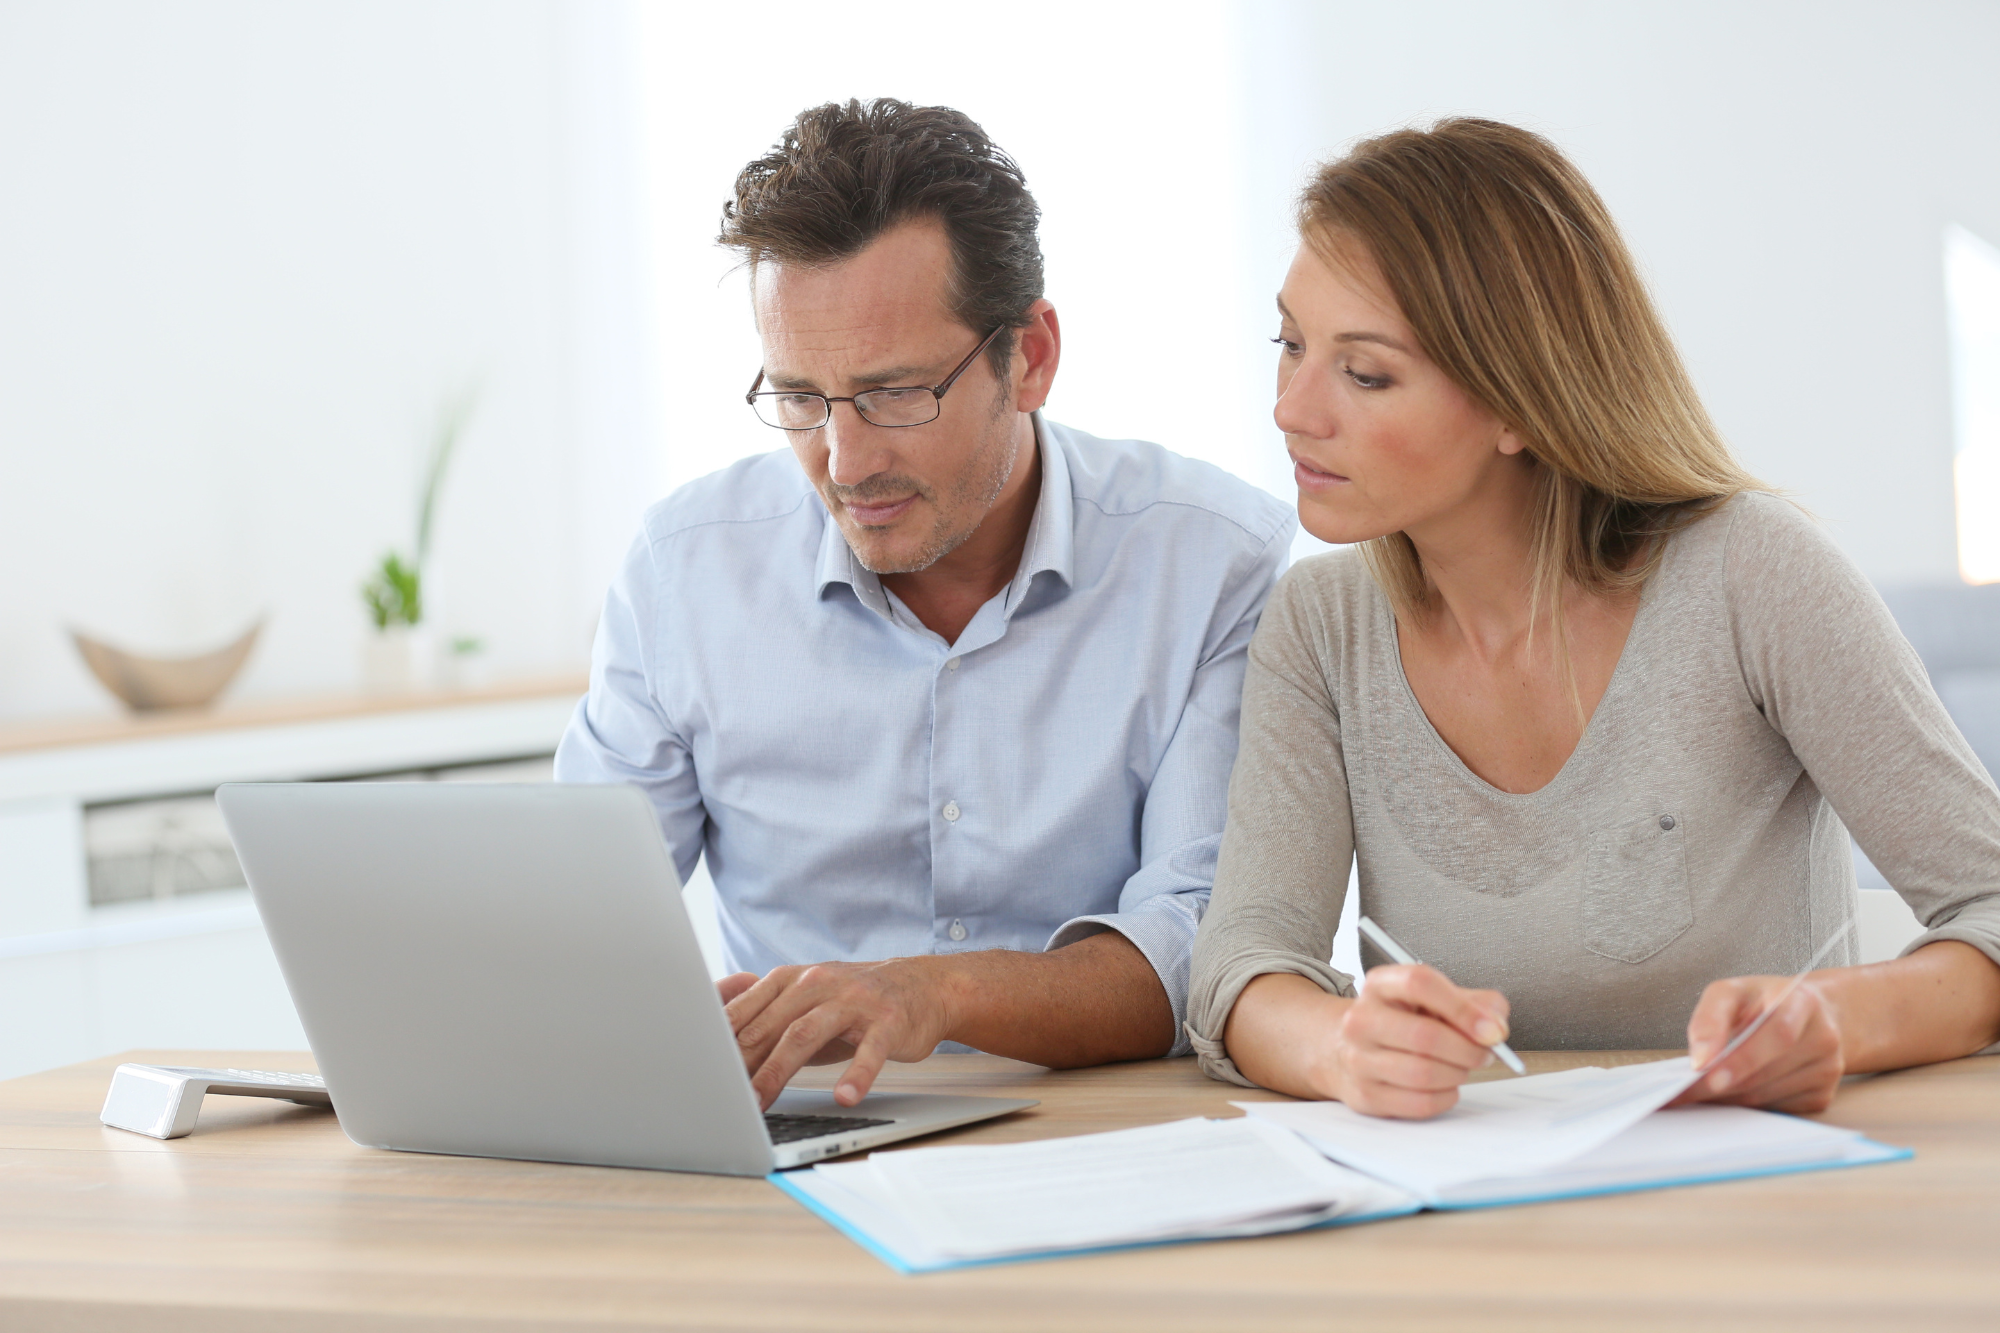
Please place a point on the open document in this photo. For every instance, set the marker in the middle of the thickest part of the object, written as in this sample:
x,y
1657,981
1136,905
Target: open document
x,y
927,1208
1290,1165
1579,1131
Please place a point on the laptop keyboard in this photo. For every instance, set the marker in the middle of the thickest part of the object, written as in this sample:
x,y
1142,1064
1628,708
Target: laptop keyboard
x,y
791,1128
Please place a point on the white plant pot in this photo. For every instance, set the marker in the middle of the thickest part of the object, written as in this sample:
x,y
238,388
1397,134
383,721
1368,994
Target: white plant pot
x,y
398,660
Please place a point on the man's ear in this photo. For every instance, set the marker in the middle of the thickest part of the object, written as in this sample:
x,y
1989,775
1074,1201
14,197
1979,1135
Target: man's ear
x,y
1037,351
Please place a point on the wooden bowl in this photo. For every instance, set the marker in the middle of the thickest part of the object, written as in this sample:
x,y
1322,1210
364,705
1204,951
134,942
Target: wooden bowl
x,y
147,683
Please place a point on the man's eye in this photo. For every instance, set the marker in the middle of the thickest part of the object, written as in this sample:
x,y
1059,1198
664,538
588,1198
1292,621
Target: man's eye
x,y
795,399
887,396
1291,348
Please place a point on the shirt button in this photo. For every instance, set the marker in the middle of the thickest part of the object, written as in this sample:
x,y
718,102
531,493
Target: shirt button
x,y
951,812
1667,823
957,931
951,664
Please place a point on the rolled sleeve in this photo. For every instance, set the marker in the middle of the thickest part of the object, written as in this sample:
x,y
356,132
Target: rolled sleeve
x,y
1160,907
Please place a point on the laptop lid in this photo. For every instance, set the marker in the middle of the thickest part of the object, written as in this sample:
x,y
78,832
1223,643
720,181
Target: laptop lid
x,y
499,971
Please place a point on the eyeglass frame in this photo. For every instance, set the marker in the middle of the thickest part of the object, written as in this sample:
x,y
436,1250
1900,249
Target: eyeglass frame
x,y
937,393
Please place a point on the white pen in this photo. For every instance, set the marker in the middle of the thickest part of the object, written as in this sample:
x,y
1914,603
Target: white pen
x,y
1404,956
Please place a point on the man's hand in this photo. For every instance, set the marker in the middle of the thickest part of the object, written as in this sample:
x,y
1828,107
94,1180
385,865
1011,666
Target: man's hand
x,y
1793,1063
867,1012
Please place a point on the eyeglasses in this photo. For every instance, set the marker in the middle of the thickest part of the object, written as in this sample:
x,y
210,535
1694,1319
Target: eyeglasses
x,y
791,410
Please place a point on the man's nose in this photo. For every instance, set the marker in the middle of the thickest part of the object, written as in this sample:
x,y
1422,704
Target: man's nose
x,y
1305,407
855,450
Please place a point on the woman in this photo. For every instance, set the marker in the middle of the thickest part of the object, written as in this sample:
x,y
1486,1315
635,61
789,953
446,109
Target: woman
x,y
1589,705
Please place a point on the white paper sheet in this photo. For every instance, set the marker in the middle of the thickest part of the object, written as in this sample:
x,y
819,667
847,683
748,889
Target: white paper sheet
x,y
1510,1127
1189,1177
1689,1142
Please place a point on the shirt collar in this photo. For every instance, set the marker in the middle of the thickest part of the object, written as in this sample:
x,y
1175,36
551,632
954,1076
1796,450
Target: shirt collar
x,y
1051,544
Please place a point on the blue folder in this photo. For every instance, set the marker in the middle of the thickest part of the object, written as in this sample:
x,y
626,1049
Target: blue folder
x,y
801,1186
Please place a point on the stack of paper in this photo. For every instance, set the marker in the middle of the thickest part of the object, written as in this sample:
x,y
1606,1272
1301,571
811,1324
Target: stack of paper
x,y
928,1208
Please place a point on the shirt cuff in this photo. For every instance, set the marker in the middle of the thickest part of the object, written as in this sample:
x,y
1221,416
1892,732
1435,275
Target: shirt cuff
x,y
1164,932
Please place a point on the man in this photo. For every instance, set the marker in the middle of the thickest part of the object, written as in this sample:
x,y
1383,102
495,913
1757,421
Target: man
x,y
946,693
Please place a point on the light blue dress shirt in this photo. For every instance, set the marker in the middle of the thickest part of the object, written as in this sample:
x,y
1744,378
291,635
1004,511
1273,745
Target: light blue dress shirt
x,y
865,790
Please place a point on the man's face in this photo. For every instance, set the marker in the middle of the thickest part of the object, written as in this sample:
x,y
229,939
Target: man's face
x,y
904,496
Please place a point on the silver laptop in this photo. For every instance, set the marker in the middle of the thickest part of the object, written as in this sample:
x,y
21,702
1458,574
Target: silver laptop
x,y
508,971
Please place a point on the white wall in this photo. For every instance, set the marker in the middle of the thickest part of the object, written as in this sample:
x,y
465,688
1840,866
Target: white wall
x,y
248,251
1112,119
1783,169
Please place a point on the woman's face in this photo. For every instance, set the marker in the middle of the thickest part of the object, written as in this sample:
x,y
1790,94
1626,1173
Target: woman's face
x,y
1381,440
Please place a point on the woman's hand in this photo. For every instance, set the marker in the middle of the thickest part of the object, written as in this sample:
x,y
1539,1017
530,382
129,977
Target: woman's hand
x,y
1793,1063
1406,1044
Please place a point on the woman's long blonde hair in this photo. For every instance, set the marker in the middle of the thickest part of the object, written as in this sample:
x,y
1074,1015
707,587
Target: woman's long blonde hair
x,y
1515,281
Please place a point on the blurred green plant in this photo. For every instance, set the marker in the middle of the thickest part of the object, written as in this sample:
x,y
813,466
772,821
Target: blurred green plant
x,y
395,591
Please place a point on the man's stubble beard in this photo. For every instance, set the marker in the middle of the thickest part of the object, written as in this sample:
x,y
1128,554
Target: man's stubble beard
x,y
978,491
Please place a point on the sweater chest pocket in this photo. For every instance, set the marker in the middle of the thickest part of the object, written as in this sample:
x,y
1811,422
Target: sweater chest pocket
x,y
1635,899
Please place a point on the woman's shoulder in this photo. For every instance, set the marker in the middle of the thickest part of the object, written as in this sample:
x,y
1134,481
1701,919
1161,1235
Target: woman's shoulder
x,y
1323,606
1763,522
1333,586
1771,564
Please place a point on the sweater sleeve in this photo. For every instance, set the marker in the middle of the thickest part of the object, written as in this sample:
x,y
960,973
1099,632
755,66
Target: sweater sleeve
x,y
1282,871
1824,661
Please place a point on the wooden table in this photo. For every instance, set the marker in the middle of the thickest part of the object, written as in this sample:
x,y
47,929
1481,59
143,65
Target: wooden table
x,y
267,1210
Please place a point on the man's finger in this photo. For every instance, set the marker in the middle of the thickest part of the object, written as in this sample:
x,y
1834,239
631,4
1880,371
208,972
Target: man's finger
x,y
752,1000
777,1008
802,1040
734,985
859,1076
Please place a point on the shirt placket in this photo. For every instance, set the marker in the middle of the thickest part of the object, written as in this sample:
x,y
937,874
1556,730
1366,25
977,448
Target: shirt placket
x,y
956,804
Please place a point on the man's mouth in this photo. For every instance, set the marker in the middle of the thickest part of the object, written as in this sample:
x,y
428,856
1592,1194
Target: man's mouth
x,y
878,513
1312,477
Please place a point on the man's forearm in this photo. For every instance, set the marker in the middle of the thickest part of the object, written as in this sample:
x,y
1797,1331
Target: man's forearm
x,y
1088,1003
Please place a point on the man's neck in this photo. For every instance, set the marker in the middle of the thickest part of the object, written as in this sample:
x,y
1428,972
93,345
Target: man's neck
x,y
947,595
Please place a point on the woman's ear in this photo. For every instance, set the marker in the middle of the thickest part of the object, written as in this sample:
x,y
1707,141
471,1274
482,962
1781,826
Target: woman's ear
x,y
1508,442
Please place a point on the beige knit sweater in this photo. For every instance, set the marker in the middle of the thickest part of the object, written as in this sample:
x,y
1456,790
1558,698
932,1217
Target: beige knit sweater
x,y
1763,700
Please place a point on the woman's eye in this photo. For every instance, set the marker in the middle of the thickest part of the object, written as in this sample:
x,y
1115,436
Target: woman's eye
x,y
1291,348
1367,381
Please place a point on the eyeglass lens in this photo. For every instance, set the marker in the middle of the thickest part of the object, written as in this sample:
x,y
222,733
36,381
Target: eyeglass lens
x,y
883,407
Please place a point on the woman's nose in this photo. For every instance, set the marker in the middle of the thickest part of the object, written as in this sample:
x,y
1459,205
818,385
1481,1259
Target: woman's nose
x,y
1304,407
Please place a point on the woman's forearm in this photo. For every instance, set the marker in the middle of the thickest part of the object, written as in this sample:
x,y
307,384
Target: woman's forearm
x,y
1278,1034
1941,1002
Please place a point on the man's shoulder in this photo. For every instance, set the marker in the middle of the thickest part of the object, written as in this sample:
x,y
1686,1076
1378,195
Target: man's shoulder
x,y
741,500
1121,478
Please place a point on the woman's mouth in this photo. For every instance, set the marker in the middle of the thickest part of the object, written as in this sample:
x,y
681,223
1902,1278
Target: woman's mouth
x,y
1312,477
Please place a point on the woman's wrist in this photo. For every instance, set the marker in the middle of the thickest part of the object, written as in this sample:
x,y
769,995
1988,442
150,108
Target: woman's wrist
x,y
1283,1033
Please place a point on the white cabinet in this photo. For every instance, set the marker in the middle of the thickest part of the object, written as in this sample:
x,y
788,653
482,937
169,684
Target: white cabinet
x,y
78,981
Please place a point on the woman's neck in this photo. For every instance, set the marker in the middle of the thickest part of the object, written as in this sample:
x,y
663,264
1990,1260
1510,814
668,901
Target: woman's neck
x,y
1478,558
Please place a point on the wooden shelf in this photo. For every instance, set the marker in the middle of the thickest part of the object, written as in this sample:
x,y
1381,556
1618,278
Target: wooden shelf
x,y
272,712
